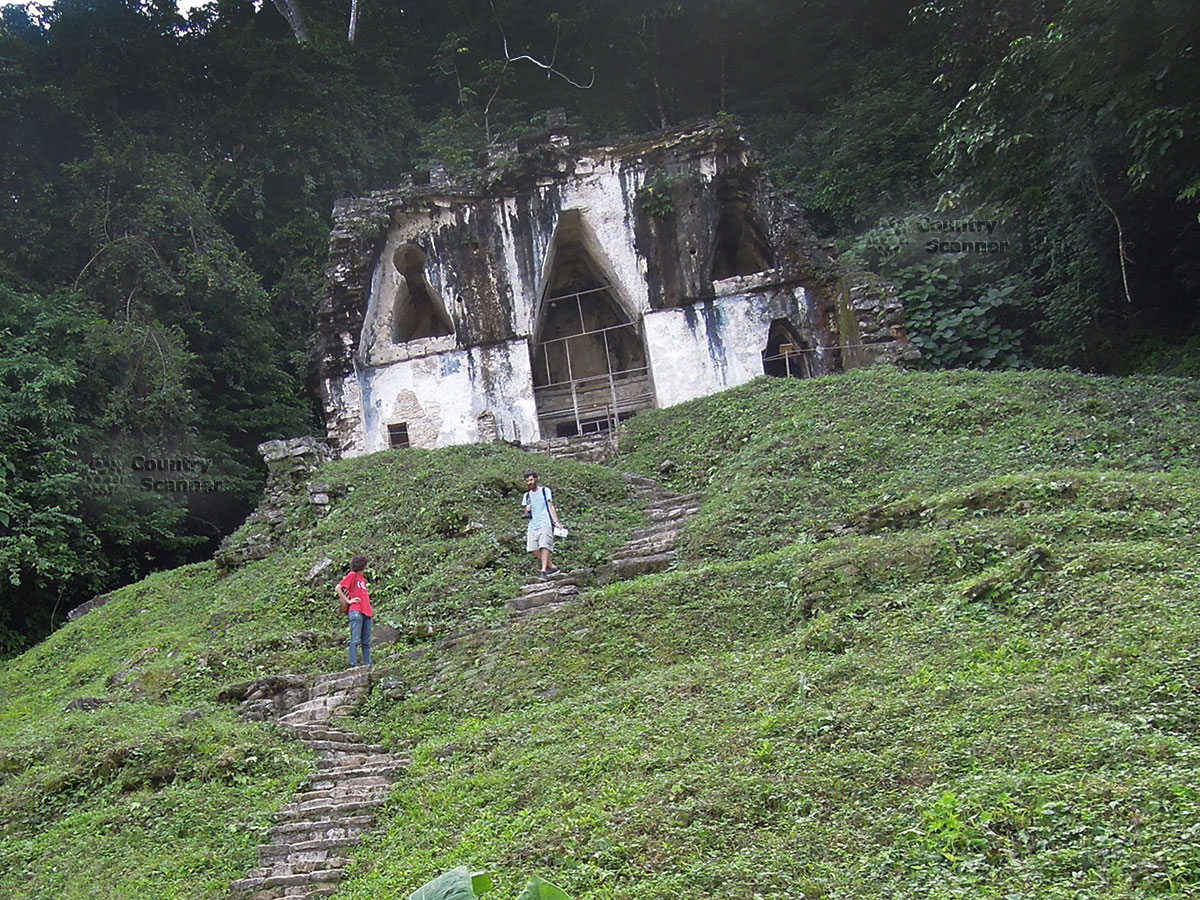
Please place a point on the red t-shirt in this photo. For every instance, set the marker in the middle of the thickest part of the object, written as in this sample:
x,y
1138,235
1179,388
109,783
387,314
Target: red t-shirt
x,y
356,587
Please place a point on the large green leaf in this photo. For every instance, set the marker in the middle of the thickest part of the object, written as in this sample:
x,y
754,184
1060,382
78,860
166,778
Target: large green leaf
x,y
540,889
481,883
453,885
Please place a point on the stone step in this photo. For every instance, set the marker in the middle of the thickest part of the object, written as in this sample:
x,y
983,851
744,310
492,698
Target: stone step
x,y
671,511
342,761
295,892
354,775
641,565
316,861
303,892
320,829
667,529
342,747
311,891
246,885
305,718
692,498
354,673
345,793
659,527
335,738
268,853
314,810
641,481
647,546
554,583
356,680
333,698
318,707
649,543
533,600
625,566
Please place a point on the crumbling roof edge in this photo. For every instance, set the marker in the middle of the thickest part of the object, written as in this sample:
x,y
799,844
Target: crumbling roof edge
x,y
706,136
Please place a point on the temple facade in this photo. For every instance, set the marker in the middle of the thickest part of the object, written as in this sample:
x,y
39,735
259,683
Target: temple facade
x,y
561,288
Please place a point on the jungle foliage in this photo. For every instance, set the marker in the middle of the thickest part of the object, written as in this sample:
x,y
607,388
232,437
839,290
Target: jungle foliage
x,y
168,182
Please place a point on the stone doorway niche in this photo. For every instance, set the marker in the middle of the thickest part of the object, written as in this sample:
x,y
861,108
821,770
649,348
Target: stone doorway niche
x,y
787,355
739,245
589,361
418,311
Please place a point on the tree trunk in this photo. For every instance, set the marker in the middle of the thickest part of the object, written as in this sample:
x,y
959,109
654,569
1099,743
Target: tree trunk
x,y
353,21
291,11
658,101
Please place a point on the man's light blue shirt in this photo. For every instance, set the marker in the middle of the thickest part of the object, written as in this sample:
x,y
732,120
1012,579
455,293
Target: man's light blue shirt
x,y
539,500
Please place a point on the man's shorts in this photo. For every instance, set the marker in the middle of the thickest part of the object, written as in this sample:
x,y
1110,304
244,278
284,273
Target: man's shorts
x,y
539,539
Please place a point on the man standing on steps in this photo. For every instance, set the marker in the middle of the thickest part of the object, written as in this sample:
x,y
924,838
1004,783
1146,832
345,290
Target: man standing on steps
x,y
543,519
353,591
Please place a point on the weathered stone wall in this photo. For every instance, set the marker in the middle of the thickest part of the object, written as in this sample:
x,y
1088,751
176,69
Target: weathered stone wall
x,y
442,396
699,252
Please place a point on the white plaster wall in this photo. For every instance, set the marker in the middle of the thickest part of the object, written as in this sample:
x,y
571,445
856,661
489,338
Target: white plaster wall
x,y
704,348
525,291
605,195
344,410
606,198
439,390
440,396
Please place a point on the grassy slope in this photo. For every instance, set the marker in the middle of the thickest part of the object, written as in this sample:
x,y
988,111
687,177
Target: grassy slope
x,y
90,801
931,636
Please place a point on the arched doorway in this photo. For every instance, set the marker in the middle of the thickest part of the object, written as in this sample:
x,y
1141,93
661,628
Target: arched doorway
x,y
739,245
787,355
589,361
419,311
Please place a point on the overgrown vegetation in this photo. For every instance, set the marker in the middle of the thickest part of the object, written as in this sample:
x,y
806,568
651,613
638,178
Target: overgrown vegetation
x,y
168,184
956,659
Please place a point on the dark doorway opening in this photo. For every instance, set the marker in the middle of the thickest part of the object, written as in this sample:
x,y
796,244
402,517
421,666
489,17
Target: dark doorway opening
x,y
740,246
398,435
787,355
419,311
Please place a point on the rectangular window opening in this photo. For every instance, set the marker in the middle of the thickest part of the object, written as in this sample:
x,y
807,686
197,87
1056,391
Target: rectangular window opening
x,y
398,435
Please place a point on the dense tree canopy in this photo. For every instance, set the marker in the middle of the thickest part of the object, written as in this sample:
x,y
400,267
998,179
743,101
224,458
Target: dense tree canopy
x,y
168,182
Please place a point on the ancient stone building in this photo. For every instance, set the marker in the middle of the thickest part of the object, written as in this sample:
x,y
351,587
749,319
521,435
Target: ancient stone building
x,y
562,287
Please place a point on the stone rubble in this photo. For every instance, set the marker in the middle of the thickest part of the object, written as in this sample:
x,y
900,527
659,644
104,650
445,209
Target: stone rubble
x,y
289,464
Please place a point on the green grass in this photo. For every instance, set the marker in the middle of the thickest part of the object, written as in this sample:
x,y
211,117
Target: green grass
x,y
931,635
782,460
710,732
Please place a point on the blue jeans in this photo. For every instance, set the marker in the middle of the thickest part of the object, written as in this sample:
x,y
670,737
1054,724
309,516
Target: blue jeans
x,y
360,635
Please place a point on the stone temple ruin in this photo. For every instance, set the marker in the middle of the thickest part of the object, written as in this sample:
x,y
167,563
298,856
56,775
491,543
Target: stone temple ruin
x,y
562,288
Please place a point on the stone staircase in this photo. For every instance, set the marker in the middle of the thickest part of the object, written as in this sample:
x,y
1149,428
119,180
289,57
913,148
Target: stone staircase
x,y
593,448
308,850
648,549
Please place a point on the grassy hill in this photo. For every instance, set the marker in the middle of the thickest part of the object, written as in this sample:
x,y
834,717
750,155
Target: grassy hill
x,y
930,635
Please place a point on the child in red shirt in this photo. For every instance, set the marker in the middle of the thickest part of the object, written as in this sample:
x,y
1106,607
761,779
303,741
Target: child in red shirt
x,y
353,589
